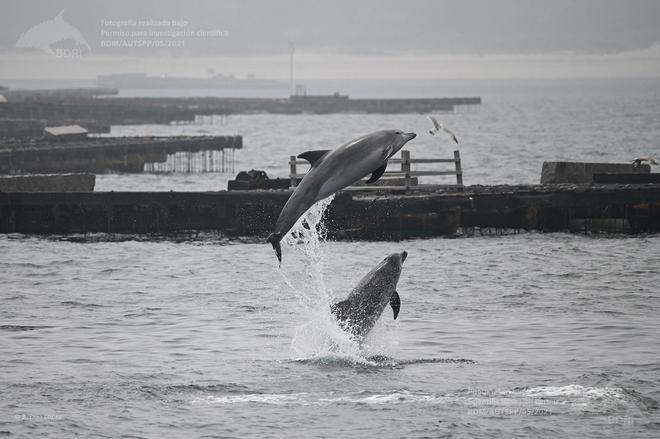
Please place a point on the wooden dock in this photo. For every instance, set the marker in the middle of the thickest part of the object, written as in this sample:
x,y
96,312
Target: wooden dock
x,y
404,178
352,215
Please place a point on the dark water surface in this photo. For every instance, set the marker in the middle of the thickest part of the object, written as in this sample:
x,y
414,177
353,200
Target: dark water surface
x,y
532,334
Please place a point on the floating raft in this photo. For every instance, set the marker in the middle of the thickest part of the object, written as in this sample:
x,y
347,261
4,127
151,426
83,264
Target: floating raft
x,y
351,215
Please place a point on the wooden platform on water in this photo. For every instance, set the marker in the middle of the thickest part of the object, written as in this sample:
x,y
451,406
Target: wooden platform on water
x,y
352,215
98,155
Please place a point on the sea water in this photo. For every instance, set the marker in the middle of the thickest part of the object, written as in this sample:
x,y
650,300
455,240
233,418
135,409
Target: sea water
x,y
538,335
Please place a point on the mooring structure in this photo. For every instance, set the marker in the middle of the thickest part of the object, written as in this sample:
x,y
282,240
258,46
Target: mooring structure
x,y
120,154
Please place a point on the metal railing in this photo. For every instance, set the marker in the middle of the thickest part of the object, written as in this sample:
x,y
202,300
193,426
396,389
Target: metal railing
x,y
405,173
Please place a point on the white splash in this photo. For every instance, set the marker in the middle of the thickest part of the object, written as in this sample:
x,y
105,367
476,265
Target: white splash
x,y
320,335
577,393
323,399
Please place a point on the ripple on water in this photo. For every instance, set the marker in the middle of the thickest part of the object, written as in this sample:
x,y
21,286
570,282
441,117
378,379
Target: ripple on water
x,y
19,328
77,304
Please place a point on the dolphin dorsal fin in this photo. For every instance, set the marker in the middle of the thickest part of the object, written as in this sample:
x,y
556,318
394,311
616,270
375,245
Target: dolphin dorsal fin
x,y
395,303
340,309
377,174
313,157
59,16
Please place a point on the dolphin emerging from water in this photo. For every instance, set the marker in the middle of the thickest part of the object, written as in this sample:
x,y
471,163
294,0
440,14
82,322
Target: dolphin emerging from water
x,y
360,311
333,170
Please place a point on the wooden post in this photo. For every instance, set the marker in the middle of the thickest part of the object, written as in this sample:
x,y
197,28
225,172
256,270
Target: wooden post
x,y
459,170
405,167
292,170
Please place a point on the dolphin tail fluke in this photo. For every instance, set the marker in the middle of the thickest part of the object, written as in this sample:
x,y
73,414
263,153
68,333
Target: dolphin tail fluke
x,y
395,303
274,239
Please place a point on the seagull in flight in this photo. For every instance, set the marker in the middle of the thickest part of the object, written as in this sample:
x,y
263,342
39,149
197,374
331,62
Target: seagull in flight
x,y
643,159
437,126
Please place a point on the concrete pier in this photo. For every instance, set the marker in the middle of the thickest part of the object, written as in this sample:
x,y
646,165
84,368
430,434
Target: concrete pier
x,y
48,183
131,110
583,172
57,94
21,128
352,215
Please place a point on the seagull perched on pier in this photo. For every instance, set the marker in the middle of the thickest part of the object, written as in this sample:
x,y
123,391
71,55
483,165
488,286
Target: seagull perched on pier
x,y
644,159
437,126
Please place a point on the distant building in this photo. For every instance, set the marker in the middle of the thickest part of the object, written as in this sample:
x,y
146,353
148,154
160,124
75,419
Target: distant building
x,y
3,100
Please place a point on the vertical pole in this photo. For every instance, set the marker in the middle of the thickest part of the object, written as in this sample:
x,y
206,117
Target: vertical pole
x,y
459,170
292,50
405,167
292,171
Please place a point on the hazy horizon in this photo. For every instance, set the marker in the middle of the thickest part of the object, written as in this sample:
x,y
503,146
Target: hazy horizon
x,y
340,40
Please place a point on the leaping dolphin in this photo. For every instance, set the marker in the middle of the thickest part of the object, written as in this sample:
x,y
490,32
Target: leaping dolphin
x,y
360,311
333,170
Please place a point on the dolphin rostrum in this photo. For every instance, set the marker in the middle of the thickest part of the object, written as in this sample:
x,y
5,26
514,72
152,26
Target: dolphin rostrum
x,y
360,311
333,170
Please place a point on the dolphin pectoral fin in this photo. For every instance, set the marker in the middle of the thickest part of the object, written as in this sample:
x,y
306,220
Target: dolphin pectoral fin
x,y
377,174
340,309
313,157
275,242
395,303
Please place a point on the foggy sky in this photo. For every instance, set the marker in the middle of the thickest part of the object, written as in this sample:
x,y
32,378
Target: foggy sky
x,y
260,27
362,28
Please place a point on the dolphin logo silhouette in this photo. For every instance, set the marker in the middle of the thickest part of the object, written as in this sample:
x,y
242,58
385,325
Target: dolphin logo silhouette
x,y
43,35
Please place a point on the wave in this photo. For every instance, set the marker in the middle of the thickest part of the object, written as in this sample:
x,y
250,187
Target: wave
x,y
376,361
22,327
75,303
324,399
587,398
575,391
181,391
